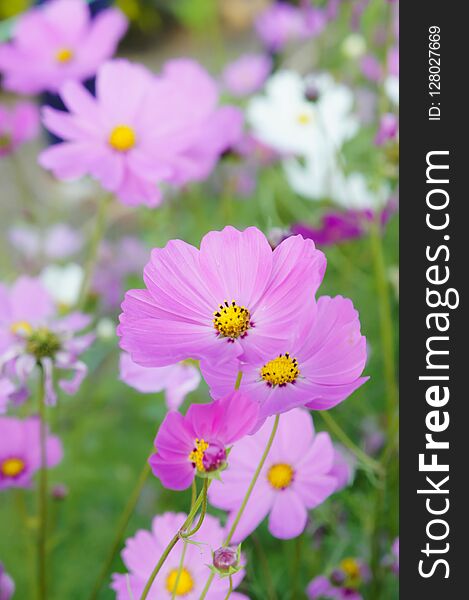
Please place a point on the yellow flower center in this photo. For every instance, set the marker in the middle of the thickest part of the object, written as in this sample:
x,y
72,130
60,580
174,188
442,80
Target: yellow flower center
x,y
231,321
122,138
351,568
197,455
21,328
280,370
64,55
280,476
304,118
12,467
184,584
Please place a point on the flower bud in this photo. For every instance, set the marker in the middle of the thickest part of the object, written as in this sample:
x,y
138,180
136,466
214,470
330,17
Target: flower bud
x,y
225,558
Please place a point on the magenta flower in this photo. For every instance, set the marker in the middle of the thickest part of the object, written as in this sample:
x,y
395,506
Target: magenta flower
x,y
232,297
176,380
7,586
18,125
296,477
142,550
32,334
153,134
59,42
282,23
20,451
336,227
247,74
198,443
343,582
388,129
318,367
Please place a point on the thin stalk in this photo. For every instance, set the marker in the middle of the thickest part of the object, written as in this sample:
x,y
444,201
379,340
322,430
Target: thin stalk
x,y
268,579
238,380
340,434
120,531
93,251
245,499
296,567
180,568
42,495
193,492
203,512
174,540
230,589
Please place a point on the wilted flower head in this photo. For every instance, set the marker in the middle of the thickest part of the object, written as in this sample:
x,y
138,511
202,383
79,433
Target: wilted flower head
x,y
140,551
20,451
232,297
318,367
18,124
32,335
296,477
56,43
198,443
176,380
7,586
247,74
153,134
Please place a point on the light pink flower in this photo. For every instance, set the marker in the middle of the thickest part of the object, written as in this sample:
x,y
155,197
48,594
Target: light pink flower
x,y
232,297
154,133
142,551
296,477
247,74
18,124
20,451
319,365
176,380
59,42
7,585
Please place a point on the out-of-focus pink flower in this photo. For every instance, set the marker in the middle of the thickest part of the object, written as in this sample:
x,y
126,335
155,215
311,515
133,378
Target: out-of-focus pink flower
x,y
57,242
395,553
32,334
388,129
342,584
176,380
7,586
142,550
154,133
247,74
198,442
336,227
18,124
280,24
319,366
20,451
371,67
296,477
59,42
343,467
232,297
393,61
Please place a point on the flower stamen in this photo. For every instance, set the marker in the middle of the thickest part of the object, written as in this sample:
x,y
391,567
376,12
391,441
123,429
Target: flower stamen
x,y
12,467
196,457
281,370
122,138
280,476
231,320
183,585
64,55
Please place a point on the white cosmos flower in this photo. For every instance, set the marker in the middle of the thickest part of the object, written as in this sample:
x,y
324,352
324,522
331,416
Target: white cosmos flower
x,y
63,283
303,116
391,87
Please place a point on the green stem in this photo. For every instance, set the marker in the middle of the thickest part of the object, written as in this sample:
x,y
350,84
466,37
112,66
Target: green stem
x,y
93,252
268,579
174,540
245,499
230,589
202,513
238,380
42,495
296,567
180,568
121,527
340,434
193,492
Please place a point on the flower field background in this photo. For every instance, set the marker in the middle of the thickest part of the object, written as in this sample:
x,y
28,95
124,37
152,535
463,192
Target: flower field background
x,y
293,127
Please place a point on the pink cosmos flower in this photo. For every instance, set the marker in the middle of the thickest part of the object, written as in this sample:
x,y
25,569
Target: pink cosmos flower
x,y
153,133
295,478
336,227
20,452
176,380
342,584
318,367
198,442
31,333
232,297
395,553
388,129
58,242
59,42
142,550
7,586
247,74
18,125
